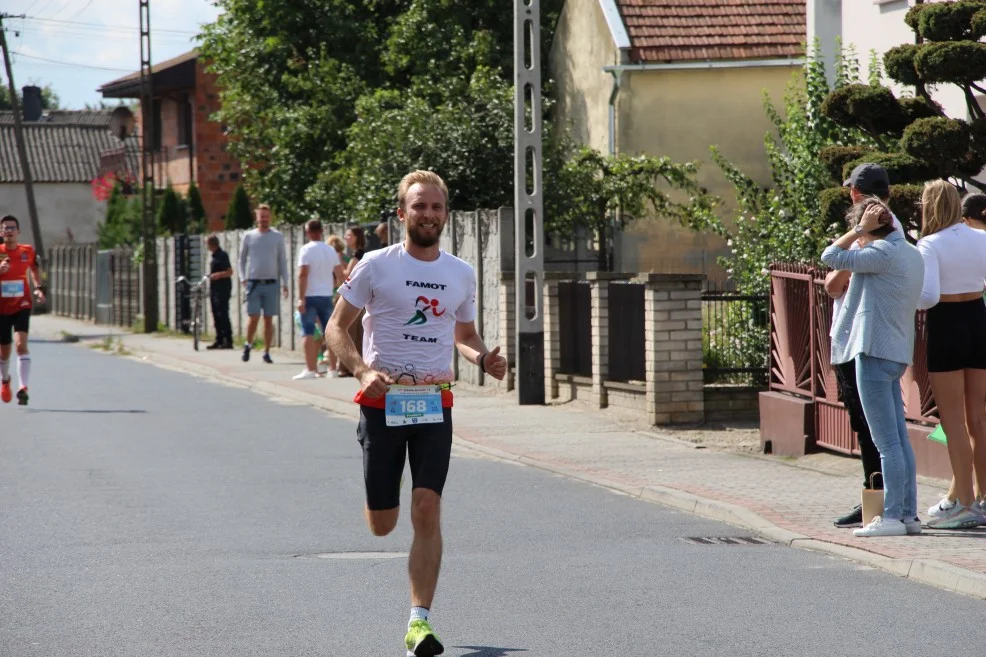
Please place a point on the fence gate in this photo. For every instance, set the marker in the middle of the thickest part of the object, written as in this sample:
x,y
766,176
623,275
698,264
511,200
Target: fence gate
x,y
104,287
183,305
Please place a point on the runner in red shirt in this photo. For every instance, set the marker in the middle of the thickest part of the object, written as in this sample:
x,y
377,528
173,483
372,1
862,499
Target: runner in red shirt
x,y
18,271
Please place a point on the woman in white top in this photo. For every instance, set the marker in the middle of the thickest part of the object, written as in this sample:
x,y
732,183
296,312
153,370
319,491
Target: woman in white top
x,y
954,270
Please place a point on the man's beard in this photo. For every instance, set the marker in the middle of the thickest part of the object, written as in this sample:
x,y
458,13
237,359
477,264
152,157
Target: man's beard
x,y
424,242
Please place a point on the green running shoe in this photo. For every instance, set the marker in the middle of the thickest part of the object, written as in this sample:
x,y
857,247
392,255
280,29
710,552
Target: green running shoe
x,y
422,640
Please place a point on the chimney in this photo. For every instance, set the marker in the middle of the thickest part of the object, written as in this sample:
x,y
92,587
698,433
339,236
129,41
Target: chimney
x,y
32,103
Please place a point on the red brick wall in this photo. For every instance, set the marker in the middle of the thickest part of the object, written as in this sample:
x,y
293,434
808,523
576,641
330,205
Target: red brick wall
x,y
217,173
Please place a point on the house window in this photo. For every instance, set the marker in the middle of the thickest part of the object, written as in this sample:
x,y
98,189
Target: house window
x,y
155,124
185,121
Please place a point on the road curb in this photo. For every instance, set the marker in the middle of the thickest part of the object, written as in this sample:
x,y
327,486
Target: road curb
x,y
927,571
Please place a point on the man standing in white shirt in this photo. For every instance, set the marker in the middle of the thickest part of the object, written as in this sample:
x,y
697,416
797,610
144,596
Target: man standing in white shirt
x,y
319,270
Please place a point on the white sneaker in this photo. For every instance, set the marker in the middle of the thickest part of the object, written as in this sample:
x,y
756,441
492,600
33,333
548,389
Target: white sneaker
x,y
881,527
958,517
981,508
913,526
941,509
305,374
332,374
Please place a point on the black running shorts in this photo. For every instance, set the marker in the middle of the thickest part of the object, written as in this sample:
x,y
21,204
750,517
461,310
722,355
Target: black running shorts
x,y
19,322
428,448
957,336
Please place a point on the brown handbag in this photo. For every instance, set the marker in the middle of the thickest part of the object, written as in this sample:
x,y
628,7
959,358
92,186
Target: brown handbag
x,y
872,501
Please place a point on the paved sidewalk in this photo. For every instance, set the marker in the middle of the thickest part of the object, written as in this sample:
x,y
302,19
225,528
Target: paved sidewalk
x,y
773,497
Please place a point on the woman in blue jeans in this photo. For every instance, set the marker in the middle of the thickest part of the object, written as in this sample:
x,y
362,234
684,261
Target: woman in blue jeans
x,y
875,327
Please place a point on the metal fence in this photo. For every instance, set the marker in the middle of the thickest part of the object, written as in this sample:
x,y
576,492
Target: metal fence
x,y
626,332
85,283
735,337
575,317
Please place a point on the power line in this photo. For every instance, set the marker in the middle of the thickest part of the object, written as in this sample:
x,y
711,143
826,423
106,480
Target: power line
x,y
118,37
128,28
55,61
76,14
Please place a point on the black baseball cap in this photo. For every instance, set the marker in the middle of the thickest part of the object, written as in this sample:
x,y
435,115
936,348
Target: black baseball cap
x,y
870,178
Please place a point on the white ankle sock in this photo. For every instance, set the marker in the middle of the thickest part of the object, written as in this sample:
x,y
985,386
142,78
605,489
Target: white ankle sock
x,y
4,369
418,613
24,370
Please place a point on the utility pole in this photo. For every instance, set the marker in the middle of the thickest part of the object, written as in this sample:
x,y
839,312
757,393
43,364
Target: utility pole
x,y
149,241
528,216
32,208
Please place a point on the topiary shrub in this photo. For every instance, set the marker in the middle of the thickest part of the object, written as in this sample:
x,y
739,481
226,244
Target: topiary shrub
x,y
835,158
835,203
913,16
979,25
941,142
948,21
901,167
905,204
961,63
898,62
919,108
874,109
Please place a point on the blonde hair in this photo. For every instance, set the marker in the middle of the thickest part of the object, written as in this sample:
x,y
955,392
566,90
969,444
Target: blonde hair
x,y
336,243
420,177
941,207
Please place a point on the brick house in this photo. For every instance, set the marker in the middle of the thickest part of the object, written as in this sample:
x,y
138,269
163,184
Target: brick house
x,y
190,147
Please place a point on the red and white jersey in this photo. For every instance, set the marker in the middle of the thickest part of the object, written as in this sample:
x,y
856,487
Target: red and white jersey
x,y
411,310
15,289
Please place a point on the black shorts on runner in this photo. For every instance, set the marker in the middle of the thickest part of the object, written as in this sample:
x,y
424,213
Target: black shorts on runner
x,y
428,448
19,322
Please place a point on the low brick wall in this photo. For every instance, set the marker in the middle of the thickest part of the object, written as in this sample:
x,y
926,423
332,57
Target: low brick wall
x,y
731,403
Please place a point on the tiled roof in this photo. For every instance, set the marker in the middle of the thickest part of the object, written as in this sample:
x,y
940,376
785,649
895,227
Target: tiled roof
x,y
71,117
700,30
59,153
157,68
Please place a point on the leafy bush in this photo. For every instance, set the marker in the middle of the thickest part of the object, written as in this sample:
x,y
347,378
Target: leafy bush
x,y
870,108
170,214
940,142
196,211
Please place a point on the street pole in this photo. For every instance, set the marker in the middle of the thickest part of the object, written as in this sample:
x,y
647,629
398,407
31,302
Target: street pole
x,y
149,240
32,208
528,219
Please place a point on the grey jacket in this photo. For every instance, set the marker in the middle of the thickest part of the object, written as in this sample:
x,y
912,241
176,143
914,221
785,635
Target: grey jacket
x,y
877,317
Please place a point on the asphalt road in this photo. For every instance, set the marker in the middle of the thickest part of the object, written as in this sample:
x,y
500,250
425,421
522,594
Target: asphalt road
x,y
145,512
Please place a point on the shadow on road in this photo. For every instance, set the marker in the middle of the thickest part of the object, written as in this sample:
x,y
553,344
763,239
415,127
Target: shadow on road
x,y
488,651
85,410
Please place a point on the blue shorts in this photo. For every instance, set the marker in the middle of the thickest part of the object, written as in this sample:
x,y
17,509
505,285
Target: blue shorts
x,y
261,299
319,308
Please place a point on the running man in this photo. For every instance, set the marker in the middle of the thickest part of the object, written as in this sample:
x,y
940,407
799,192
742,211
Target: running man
x,y
18,268
415,420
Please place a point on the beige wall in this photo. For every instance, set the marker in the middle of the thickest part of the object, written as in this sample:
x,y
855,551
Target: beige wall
x,y
680,114
582,46
67,212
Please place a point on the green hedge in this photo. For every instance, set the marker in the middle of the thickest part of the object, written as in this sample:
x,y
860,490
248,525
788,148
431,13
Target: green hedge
x,y
942,143
871,108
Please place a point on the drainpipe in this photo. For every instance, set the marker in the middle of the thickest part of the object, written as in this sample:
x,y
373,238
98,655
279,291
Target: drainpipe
x,y
617,73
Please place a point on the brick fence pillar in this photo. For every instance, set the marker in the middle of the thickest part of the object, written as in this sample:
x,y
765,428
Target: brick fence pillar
x,y
673,348
599,286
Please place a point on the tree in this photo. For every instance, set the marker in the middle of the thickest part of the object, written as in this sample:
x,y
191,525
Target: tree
x,y
911,136
170,216
196,211
607,191
302,81
49,99
122,224
791,220
239,216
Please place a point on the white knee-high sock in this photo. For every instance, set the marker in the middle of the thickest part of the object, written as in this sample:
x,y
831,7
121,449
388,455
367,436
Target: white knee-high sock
x,y
4,369
24,370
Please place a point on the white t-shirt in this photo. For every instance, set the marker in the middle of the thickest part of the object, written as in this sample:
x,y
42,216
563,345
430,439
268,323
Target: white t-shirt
x,y
954,262
837,302
411,310
321,260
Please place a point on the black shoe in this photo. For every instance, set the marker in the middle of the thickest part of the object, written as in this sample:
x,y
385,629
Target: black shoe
x,y
225,345
852,519
267,358
22,397
215,345
246,353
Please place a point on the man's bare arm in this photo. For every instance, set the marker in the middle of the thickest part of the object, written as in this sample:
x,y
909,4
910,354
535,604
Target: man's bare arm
x,y
338,339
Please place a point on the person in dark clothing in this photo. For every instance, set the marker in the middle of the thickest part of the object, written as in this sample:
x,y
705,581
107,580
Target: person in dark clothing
x,y
220,290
